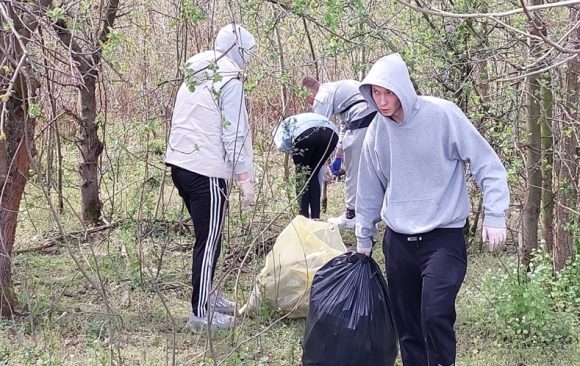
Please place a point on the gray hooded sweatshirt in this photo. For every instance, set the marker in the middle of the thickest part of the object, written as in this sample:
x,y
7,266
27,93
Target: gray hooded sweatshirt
x,y
412,173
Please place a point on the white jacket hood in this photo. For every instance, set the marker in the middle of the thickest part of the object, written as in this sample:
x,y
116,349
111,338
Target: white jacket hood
x,y
391,72
241,40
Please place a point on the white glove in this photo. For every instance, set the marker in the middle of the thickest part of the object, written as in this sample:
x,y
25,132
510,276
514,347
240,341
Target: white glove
x,y
327,174
493,236
364,250
247,188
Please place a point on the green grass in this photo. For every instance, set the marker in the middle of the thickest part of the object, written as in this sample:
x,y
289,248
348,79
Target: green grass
x,y
69,322
121,296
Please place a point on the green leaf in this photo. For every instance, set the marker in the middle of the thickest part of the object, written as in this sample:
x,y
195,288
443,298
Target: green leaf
x,y
34,110
55,13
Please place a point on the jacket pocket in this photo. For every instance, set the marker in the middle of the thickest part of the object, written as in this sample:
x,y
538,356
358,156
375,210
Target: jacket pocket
x,y
182,140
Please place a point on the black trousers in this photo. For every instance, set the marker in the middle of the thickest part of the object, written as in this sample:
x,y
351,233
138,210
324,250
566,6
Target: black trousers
x,y
425,272
206,201
311,149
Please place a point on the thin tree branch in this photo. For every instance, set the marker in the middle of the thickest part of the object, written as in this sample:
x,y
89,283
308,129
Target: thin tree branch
x,y
540,30
539,71
489,15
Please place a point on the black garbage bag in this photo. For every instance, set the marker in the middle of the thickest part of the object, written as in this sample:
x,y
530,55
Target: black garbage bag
x,y
349,319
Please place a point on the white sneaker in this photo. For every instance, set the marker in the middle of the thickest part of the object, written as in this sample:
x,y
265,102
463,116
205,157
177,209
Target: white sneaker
x,y
220,304
342,222
216,321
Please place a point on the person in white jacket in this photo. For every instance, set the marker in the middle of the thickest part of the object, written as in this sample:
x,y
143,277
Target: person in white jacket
x,y
412,176
209,144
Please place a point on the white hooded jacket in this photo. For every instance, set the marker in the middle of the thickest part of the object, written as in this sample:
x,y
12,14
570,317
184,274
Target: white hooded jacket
x,y
210,134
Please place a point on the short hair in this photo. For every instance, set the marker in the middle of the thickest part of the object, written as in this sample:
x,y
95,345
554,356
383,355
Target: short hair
x,y
310,82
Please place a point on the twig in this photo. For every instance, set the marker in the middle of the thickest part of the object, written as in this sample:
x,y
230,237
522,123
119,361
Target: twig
x,y
50,242
541,31
488,15
539,71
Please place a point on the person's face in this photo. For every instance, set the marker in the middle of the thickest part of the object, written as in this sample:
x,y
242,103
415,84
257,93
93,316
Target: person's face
x,y
387,102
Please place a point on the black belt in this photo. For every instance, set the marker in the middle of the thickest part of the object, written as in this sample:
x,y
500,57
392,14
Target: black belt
x,y
361,122
427,235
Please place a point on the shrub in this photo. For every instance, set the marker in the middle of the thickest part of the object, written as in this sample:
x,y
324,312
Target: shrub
x,y
533,308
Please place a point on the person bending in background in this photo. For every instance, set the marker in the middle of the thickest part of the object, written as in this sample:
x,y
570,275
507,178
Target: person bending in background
x,y
209,143
412,176
343,99
310,138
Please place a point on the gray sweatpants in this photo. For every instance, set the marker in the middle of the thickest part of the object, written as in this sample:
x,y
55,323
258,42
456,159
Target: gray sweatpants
x,y
352,143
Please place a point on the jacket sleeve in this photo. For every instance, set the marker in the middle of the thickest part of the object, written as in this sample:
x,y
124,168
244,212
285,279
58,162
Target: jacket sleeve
x,y
235,126
370,195
487,169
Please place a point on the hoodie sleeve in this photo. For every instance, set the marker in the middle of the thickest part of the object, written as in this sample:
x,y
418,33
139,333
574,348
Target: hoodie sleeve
x,y
370,193
324,105
324,101
486,167
235,127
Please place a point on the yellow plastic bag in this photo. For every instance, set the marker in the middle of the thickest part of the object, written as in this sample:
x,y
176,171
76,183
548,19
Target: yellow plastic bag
x,y
300,250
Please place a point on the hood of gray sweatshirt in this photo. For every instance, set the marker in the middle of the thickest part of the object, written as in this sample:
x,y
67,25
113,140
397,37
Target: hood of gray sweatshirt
x,y
412,173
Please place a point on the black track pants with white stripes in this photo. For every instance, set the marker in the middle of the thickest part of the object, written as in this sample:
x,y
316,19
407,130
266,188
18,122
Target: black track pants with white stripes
x,y
206,201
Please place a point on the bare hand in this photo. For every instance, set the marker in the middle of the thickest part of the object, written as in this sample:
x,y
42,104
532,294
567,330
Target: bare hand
x,y
363,250
247,188
327,176
494,237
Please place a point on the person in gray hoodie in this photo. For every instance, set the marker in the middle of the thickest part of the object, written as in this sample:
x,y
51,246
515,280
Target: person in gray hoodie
x,y
342,98
412,176
210,143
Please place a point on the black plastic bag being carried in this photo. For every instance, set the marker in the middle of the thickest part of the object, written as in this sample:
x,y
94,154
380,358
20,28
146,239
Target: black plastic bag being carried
x,y
349,318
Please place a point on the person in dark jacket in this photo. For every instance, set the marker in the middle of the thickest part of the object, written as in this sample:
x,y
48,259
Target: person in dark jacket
x,y
310,138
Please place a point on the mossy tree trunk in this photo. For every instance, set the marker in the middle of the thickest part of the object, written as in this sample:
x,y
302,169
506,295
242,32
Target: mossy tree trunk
x,y
533,196
566,167
547,213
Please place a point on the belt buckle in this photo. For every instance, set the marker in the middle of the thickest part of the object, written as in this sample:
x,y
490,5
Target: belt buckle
x,y
414,238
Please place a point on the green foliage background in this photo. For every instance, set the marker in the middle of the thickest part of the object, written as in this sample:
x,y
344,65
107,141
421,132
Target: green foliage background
x,y
121,295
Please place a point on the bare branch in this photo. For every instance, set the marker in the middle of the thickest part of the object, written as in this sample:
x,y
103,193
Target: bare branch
x,y
539,71
110,16
540,30
489,15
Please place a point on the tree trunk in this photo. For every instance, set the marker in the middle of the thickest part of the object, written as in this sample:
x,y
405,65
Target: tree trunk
x,y
16,144
547,164
87,63
566,166
532,201
16,133
90,148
